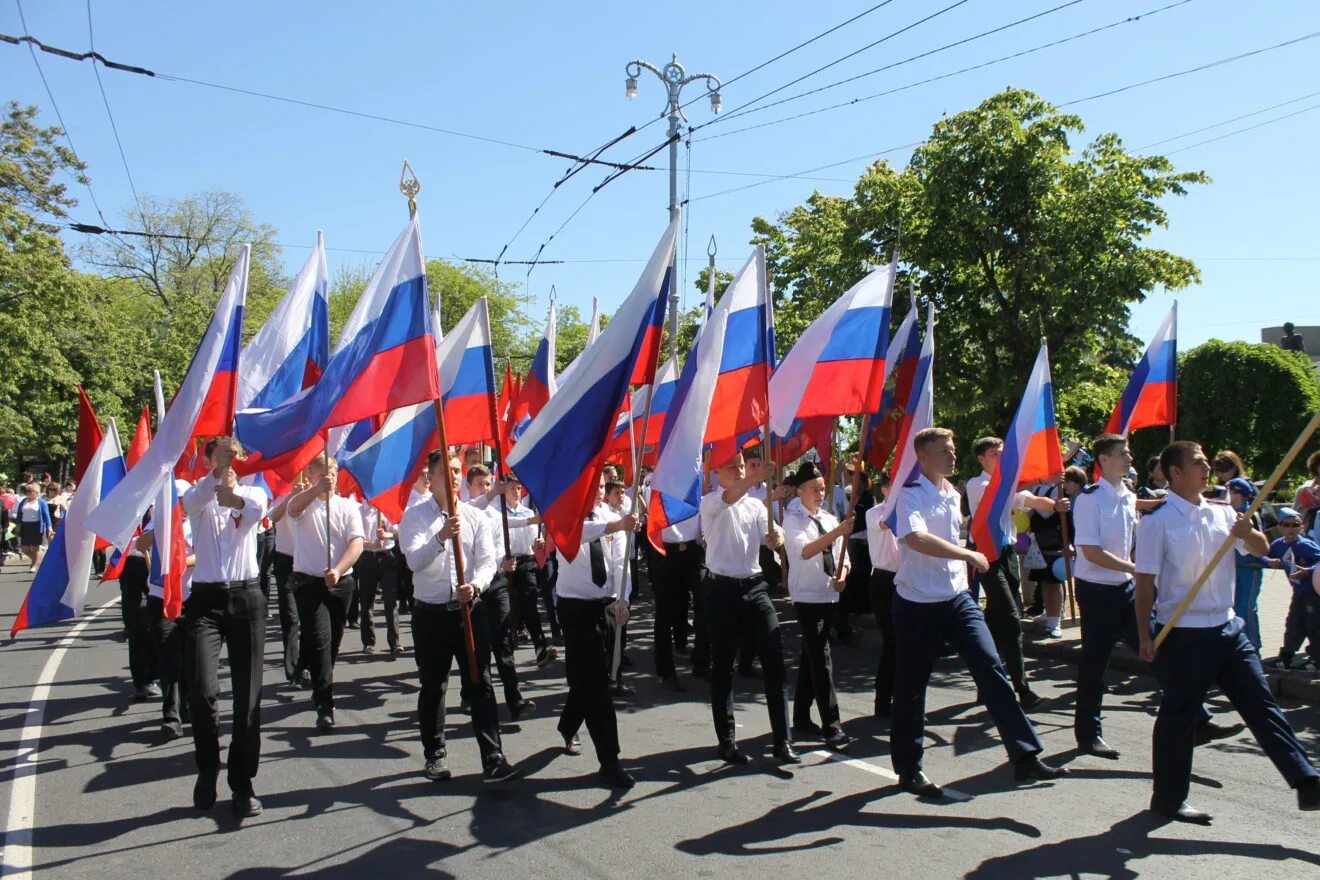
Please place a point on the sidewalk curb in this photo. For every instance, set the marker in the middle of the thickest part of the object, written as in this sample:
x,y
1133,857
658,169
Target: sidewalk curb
x,y
1290,685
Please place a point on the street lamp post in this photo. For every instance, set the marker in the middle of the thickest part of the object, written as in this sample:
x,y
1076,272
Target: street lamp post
x,y
674,76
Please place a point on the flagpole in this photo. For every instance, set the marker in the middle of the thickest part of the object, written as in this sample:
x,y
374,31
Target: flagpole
x,y
636,500
329,554
410,186
499,470
772,481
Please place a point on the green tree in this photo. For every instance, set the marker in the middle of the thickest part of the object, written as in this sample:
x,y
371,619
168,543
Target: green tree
x,y
457,287
1252,399
1013,236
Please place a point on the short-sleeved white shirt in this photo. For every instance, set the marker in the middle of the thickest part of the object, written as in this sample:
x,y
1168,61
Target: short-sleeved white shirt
x,y
734,534
807,581
1104,516
925,507
1174,543
309,555
880,540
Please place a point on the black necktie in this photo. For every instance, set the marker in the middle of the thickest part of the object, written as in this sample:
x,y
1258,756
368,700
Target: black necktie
x,y
597,551
828,552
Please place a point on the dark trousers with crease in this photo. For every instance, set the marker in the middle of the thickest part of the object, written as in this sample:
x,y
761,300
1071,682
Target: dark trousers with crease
x,y
266,561
137,620
499,619
1190,662
438,642
674,577
546,576
735,608
168,639
1004,616
522,598
322,611
1108,616
922,628
234,617
377,572
815,680
588,653
882,606
288,608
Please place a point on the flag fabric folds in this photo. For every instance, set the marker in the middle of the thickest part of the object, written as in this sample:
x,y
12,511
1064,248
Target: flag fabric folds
x,y
194,407
739,401
883,438
89,436
1031,454
837,366
59,590
918,414
384,360
729,348
539,384
661,395
559,457
169,547
1151,396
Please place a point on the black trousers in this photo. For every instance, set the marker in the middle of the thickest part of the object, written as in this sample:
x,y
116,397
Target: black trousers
x,y
734,608
1108,615
377,572
437,643
922,629
675,577
1302,623
815,680
405,581
321,614
168,640
1003,615
546,576
1190,662
522,597
498,618
266,561
133,593
588,649
236,618
881,589
282,563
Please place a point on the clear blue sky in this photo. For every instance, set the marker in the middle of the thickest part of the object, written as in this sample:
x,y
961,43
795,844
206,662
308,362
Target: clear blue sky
x,y
551,75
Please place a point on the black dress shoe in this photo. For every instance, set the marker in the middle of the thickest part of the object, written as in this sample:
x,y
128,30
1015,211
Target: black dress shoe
x,y
729,754
500,771
325,722
786,754
838,741
573,745
671,683
614,775
1209,731
1028,698
919,784
1181,813
204,791
524,710
1033,769
1099,748
247,805
622,689
170,730
1308,795
807,730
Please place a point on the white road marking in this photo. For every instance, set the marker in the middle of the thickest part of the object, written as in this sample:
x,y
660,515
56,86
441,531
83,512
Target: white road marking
x,y
16,860
876,770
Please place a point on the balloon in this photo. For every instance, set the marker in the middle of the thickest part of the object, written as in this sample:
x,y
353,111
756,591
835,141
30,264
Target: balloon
x,y
1060,572
1022,521
1023,542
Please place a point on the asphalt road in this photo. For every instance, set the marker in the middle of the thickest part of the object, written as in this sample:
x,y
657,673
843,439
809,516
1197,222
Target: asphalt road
x,y
111,801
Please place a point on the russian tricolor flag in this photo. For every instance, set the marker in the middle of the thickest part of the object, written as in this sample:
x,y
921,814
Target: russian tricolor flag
x,y
837,366
539,385
918,414
211,376
387,463
1031,454
1151,396
59,590
732,336
884,434
628,428
385,359
169,547
561,454
740,402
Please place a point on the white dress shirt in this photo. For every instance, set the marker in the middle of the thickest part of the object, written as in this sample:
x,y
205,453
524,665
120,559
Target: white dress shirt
x,y
734,534
880,541
283,528
807,580
1174,543
309,555
937,510
372,521
415,498
521,532
575,581
225,540
1104,516
683,532
432,561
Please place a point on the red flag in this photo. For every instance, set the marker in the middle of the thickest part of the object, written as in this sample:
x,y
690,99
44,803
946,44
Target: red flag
x,y
89,435
141,438
503,407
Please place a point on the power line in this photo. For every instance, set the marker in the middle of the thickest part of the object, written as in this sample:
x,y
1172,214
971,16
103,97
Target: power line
x,y
868,156
1246,129
984,64
1178,137
114,129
